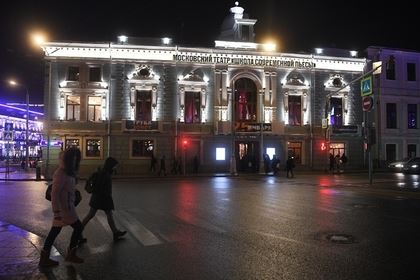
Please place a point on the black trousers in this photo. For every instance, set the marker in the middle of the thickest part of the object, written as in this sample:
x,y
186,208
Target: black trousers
x,y
54,231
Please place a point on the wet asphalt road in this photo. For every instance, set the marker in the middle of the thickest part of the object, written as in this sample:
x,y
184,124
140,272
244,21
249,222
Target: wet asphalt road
x,y
246,227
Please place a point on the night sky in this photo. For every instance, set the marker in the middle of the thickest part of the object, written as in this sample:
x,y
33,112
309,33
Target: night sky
x,y
298,26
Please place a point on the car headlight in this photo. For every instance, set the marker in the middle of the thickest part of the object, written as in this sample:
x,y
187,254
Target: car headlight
x,y
399,165
414,166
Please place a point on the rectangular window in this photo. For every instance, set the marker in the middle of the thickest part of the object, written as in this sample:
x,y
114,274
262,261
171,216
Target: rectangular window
x,y
73,108
70,142
94,108
73,73
412,116
411,72
270,152
220,154
245,32
95,74
93,147
144,106
336,114
294,149
411,150
295,110
337,149
192,113
391,115
391,152
142,148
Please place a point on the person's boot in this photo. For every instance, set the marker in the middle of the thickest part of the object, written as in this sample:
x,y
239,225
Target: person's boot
x,y
119,234
45,261
72,257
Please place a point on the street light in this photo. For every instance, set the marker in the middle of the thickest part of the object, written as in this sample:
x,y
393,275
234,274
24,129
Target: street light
x,y
16,84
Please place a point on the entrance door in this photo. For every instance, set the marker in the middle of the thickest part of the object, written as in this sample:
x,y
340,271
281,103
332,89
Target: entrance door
x,y
247,156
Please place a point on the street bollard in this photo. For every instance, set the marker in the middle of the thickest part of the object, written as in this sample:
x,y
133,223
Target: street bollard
x,y
38,173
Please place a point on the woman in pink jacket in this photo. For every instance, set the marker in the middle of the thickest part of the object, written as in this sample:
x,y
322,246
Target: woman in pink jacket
x,y
62,200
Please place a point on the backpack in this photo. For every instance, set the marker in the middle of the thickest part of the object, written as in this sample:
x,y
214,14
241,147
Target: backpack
x,y
91,182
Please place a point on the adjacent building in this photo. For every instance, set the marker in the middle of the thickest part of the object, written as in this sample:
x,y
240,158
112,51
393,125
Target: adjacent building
x,y
226,105
394,118
13,133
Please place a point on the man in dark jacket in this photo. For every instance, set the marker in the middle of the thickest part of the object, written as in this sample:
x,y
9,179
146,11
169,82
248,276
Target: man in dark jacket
x,y
101,198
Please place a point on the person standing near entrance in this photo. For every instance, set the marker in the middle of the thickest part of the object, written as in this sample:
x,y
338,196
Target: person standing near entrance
x,y
290,164
101,198
162,166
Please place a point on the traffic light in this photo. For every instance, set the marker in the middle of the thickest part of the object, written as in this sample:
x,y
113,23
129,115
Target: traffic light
x,y
184,144
323,146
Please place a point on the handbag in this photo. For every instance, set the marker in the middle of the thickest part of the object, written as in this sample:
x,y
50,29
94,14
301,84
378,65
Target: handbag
x,y
77,194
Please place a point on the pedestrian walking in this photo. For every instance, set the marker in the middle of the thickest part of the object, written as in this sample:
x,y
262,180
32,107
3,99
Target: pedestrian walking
x,y
162,166
101,198
290,164
63,206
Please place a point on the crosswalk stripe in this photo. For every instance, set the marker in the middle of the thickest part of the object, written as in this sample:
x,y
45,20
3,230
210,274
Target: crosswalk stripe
x,y
142,234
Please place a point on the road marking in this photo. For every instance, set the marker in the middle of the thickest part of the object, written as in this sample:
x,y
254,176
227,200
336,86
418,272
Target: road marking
x,y
201,223
142,234
281,238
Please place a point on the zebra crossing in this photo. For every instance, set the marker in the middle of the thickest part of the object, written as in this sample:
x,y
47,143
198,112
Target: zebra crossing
x,y
139,232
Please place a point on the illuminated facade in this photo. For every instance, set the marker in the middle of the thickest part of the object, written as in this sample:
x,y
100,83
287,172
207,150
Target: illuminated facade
x,y
396,112
13,133
131,99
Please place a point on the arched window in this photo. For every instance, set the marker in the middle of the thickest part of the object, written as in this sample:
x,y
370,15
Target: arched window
x,y
245,100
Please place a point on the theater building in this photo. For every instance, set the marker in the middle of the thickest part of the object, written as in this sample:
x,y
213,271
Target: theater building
x,y
226,105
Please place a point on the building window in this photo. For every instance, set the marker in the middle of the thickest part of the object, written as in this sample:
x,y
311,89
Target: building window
x,y
391,115
73,73
412,116
142,148
192,107
72,142
270,152
411,150
73,108
337,149
95,74
93,147
295,110
144,106
220,154
294,149
245,100
336,114
245,32
411,72
94,108
390,68
391,152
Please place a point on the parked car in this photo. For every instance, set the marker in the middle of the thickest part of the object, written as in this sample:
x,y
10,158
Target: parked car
x,y
397,166
412,166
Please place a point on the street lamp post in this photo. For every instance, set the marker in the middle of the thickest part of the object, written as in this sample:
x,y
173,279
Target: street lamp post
x,y
14,83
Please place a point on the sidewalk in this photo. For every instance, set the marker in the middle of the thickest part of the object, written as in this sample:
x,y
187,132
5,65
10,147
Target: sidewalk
x,y
19,256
